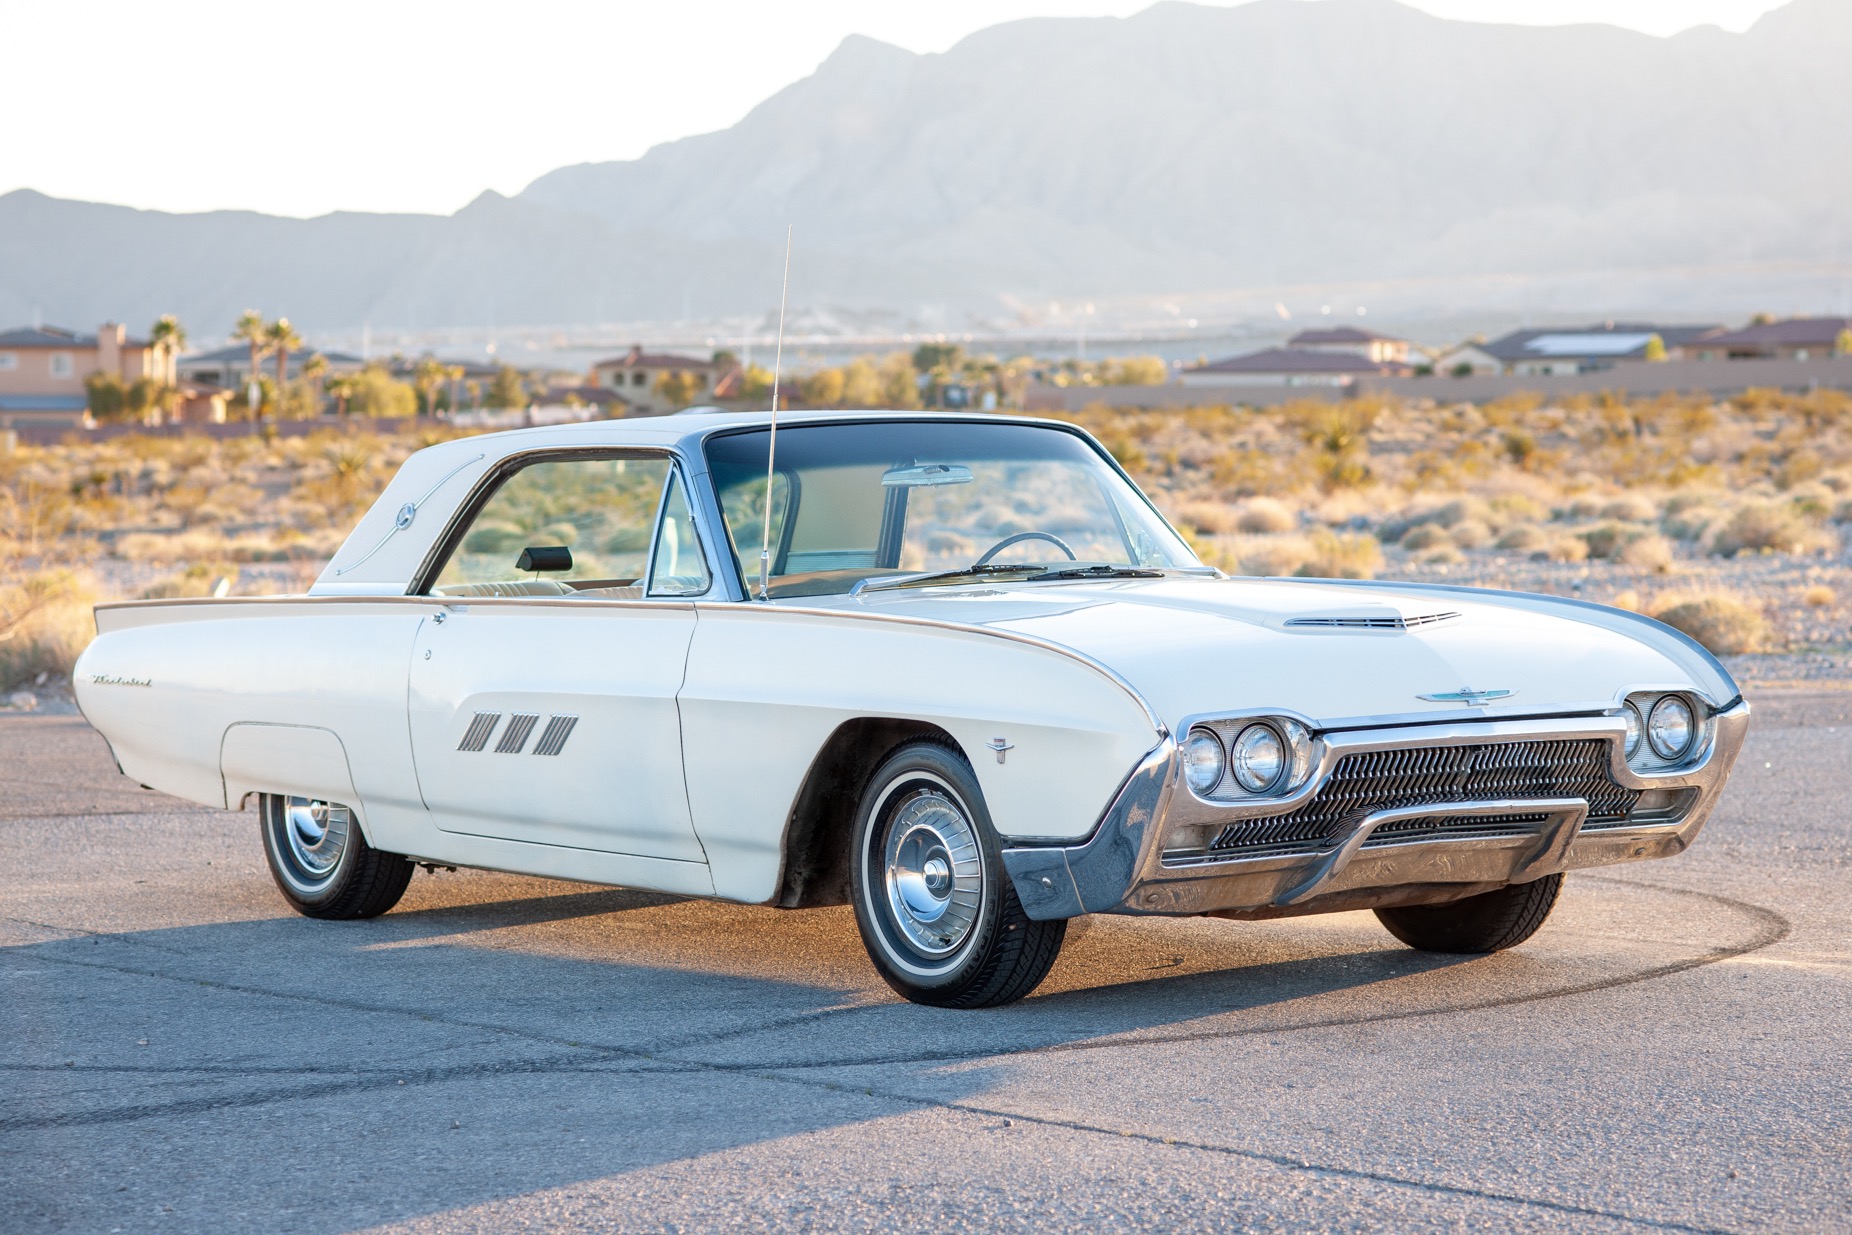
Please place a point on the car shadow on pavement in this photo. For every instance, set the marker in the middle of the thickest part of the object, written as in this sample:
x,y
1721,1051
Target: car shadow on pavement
x,y
458,1052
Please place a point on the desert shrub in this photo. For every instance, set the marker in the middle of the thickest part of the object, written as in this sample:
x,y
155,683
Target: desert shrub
x,y
1273,556
1605,540
1207,518
1470,534
1813,503
1261,515
1335,555
1818,596
1651,552
1630,509
1426,536
1523,538
45,624
1692,522
1564,549
1509,508
1722,623
1461,510
1761,526
1680,502
1842,513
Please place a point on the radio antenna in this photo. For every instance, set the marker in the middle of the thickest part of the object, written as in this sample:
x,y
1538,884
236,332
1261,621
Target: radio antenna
x,y
771,450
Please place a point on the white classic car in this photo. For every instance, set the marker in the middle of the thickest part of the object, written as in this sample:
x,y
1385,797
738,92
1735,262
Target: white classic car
x,y
976,687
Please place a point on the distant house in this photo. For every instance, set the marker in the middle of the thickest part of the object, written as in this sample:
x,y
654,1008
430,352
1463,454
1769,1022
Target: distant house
x,y
1797,338
636,372
1282,366
1348,340
230,367
43,368
1562,351
1468,360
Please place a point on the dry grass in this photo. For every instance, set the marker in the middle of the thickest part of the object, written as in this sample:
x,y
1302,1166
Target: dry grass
x,y
177,515
1654,489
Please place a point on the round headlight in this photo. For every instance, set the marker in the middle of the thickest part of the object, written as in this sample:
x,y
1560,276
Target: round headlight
x,y
1260,757
1203,761
1636,729
1671,727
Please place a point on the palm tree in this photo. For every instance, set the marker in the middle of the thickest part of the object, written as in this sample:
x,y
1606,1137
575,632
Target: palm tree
x,y
315,368
428,377
283,340
343,386
252,330
168,335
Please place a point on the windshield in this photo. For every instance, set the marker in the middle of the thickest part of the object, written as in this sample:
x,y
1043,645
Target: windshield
x,y
858,502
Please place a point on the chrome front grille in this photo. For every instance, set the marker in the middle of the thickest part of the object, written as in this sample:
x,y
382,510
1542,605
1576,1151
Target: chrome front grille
x,y
1370,781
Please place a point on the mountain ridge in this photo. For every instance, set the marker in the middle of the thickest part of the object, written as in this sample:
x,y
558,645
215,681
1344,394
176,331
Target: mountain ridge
x,y
1186,151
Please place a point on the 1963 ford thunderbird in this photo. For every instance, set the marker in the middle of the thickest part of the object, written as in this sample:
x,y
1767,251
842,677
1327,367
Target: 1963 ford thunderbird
x,y
977,687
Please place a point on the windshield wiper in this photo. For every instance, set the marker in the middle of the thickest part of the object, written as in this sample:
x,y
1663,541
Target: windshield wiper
x,y
1032,574
881,583
1097,572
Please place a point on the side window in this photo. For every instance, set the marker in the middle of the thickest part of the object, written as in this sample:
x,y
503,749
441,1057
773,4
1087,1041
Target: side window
x,y
677,567
562,527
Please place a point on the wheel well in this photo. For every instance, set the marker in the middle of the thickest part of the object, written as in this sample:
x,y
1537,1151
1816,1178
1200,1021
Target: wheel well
x,y
816,857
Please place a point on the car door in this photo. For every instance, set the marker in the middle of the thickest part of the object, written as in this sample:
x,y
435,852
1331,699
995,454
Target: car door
x,y
542,700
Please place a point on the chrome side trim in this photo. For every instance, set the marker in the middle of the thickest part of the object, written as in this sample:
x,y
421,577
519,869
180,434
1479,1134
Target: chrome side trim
x,y
1122,867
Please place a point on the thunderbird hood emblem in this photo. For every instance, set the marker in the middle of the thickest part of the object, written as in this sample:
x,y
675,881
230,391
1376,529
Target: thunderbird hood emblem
x,y
1467,695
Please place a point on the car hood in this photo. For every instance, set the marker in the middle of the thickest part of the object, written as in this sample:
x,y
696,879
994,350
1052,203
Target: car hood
x,y
1334,652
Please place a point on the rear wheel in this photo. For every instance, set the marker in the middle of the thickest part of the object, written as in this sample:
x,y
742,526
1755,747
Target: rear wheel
x,y
1490,922
322,864
938,915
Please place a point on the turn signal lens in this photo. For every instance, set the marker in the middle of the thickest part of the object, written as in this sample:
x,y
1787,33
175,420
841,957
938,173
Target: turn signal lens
x,y
1260,758
1299,743
1671,727
1636,729
1203,761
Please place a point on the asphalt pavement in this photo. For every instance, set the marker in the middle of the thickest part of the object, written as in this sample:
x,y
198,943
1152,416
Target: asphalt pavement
x,y
179,1052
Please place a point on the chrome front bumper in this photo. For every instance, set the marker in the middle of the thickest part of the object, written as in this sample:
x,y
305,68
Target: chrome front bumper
x,y
1125,866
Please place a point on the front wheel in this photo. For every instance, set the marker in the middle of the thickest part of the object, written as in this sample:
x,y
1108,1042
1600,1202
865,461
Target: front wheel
x,y
322,864
938,915
1490,922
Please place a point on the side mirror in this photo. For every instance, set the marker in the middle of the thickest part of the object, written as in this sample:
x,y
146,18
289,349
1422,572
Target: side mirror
x,y
545,557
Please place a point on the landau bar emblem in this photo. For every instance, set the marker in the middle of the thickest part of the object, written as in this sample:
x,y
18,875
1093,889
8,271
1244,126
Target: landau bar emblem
x,y
1467,695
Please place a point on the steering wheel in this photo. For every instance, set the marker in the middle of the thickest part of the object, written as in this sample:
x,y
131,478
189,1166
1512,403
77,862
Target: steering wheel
x,y
1007,541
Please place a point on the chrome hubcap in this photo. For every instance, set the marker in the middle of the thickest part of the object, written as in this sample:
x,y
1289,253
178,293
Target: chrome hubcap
x,y
934,872
317,834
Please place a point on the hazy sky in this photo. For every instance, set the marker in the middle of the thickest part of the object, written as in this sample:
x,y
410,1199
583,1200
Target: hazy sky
x,y
411,105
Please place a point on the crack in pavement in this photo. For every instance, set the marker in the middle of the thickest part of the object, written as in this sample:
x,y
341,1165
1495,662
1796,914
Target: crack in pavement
x,y
560,1065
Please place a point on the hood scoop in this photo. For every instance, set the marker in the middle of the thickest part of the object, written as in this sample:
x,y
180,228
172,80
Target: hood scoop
x,y
1370,618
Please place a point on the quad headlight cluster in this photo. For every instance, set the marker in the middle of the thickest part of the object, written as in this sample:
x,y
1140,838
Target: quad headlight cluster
x,y
1254,758
1663,730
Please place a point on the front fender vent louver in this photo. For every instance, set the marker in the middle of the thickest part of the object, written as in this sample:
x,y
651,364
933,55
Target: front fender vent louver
x,y
514,737
1357,621
477,735
553,737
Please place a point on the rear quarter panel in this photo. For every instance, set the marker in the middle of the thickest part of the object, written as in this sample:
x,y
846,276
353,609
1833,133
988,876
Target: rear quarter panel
x,y
163,682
